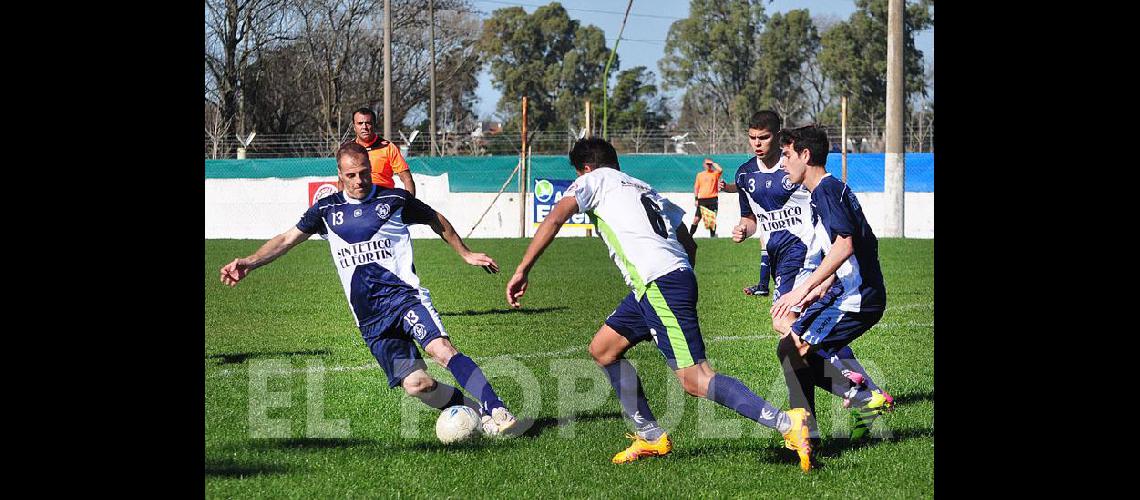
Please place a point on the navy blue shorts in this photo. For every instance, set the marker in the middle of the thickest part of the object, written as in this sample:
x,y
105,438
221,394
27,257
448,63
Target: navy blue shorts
x,y
391,342
786,265
823,325
666,313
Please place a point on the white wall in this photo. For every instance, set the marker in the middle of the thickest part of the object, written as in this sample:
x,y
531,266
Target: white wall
x,y
263,208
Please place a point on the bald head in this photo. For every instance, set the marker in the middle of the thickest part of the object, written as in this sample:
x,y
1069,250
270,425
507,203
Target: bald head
x,y
354,170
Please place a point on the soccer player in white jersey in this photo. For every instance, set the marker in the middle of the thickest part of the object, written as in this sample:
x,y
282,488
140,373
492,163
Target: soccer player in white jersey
x,y
846,292
367,229
647,239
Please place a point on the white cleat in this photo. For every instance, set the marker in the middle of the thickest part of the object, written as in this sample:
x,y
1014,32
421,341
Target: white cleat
x,y
497,423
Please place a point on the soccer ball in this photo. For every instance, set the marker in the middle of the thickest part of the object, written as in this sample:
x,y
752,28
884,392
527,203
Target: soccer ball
x,y
456,424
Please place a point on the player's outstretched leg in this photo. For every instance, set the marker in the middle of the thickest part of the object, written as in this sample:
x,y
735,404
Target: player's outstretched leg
x,y
496,417
699,380
649,439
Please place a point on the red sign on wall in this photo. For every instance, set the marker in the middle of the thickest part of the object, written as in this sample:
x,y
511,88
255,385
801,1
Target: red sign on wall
x,y
318,190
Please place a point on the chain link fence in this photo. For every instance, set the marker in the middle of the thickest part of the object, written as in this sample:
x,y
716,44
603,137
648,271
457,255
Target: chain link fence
x,y
506,142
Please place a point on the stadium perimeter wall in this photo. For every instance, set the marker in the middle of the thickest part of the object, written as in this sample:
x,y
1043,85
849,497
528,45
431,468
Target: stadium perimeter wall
x,y
260,208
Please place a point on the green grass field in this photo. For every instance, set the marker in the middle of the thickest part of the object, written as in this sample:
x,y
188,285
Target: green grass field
x,y
297,407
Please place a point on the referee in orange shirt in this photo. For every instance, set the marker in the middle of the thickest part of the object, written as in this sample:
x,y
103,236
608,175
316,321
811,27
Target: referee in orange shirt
x,y
385,157
705,190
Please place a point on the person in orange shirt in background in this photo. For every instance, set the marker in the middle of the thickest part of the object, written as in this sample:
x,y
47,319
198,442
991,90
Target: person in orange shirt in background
x,y
705,190
384,156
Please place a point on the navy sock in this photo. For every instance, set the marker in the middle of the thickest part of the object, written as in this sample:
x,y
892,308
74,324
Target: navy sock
x,y
765,270
624,379
468,374
731,393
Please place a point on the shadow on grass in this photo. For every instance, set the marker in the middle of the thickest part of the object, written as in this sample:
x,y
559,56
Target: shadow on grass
x,y
835,447
686,449
310,443
240,469
241,357
764,451
318,444
904,399
478,443
530,427
472,312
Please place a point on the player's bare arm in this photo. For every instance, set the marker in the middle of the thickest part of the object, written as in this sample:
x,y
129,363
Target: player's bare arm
x,y
817,292
409,183
238,269
841,249
744,229
443,228
562,211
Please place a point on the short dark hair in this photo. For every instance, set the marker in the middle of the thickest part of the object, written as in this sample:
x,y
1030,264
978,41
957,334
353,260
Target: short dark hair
x,y
593,151
766,120
811,138
351,148
366,111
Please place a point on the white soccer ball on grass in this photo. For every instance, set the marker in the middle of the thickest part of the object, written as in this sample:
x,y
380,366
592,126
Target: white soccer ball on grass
x,y
457,423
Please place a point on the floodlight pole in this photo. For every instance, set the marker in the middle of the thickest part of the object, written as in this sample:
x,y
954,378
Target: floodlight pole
x,y
843,134
388,69
894,174
523,176
588,134
431,125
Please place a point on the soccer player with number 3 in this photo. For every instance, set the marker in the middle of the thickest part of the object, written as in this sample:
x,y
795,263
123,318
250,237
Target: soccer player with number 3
x,y
648,240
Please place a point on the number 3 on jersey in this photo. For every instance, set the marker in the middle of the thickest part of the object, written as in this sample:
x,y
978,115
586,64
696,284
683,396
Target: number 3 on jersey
x,y
653,212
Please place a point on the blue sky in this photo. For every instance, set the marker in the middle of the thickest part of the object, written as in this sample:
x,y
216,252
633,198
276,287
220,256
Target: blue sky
x,y
643,42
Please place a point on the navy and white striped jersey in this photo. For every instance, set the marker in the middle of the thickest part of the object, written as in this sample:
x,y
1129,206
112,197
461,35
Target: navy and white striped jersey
x,y
372,249
859,281
782,209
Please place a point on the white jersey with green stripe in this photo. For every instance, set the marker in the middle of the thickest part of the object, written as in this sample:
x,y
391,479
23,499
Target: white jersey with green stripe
x,y
638,225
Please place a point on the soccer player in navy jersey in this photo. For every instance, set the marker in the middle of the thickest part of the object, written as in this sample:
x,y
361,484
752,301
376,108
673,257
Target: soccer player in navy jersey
x,y
773,208
843,297
367,229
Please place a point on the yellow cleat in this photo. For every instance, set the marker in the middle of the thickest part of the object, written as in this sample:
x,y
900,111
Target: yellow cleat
x,y
642,448
797,437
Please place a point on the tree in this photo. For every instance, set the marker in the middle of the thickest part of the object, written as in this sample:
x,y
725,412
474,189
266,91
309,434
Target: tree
x,y
236,31
282,99
712,53
332,32
634,101
854,58
547,57
788,47
635,108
